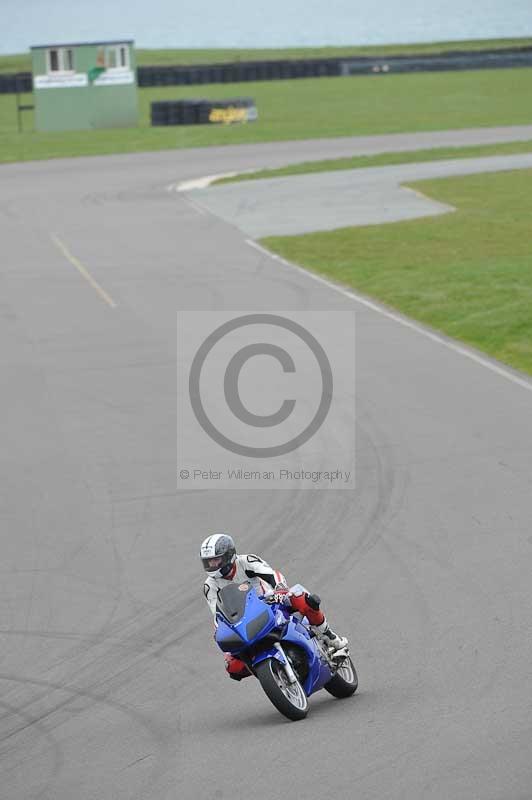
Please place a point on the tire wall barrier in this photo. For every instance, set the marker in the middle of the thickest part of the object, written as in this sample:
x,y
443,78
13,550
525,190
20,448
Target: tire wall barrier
x,y
439,63
203,112
245,71
13,82
241,72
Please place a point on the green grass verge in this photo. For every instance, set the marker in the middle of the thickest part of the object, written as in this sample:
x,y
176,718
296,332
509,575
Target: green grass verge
x,y
220,56
467,273
383,159
21,62
300,109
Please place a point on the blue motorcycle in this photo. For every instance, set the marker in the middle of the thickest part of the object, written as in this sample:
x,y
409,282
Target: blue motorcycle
x,y
279,648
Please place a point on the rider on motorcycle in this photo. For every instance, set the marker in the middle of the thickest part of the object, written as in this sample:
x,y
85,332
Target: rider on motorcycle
x,y
223,565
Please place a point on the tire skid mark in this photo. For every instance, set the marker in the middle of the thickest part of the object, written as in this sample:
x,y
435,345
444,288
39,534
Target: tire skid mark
x,y
160,738
57,759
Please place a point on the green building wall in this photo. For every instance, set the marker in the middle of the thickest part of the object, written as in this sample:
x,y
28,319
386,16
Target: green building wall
x,y
99,103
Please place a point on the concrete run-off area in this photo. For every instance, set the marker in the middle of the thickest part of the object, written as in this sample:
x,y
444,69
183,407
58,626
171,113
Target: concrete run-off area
x,y
327,200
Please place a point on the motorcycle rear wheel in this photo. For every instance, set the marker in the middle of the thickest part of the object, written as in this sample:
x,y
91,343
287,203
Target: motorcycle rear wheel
x,y
288,698
345,682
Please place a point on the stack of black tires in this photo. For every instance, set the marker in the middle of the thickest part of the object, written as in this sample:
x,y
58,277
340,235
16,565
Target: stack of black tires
x,y
203,112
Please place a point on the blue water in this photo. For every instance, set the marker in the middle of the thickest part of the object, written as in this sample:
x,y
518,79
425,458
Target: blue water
x,y
258,23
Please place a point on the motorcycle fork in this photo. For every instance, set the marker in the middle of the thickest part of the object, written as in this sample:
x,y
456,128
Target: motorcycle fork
x,y
290,674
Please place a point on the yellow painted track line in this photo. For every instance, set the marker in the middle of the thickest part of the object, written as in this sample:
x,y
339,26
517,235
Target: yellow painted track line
x,y
83,271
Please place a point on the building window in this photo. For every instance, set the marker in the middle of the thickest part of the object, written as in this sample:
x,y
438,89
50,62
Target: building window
x,y
117,57
53,61
61,59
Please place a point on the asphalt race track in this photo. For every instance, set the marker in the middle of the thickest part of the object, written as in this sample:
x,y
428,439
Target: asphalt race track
x,y
110,685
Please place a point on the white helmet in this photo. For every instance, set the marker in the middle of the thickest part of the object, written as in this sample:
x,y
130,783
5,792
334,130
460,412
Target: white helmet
x,y
218,554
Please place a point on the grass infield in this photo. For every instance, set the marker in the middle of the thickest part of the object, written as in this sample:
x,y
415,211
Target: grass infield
x,y
466,273
300,109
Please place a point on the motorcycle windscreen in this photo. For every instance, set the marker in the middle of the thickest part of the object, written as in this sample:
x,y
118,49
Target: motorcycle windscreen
x,y
231,603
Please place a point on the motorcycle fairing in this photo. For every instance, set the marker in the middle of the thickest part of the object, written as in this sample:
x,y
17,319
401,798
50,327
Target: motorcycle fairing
x,y
254,620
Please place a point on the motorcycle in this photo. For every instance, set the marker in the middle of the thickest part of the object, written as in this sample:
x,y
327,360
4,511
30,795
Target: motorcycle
x,y
278,647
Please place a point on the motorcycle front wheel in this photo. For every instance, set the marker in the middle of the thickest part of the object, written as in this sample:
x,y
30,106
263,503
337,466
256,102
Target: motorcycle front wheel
x,y
288,698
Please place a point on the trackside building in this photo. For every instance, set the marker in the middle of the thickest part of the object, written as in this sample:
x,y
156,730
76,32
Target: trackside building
x,y
85,85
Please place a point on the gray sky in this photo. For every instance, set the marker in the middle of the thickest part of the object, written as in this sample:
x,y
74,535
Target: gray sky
x,y
249,23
